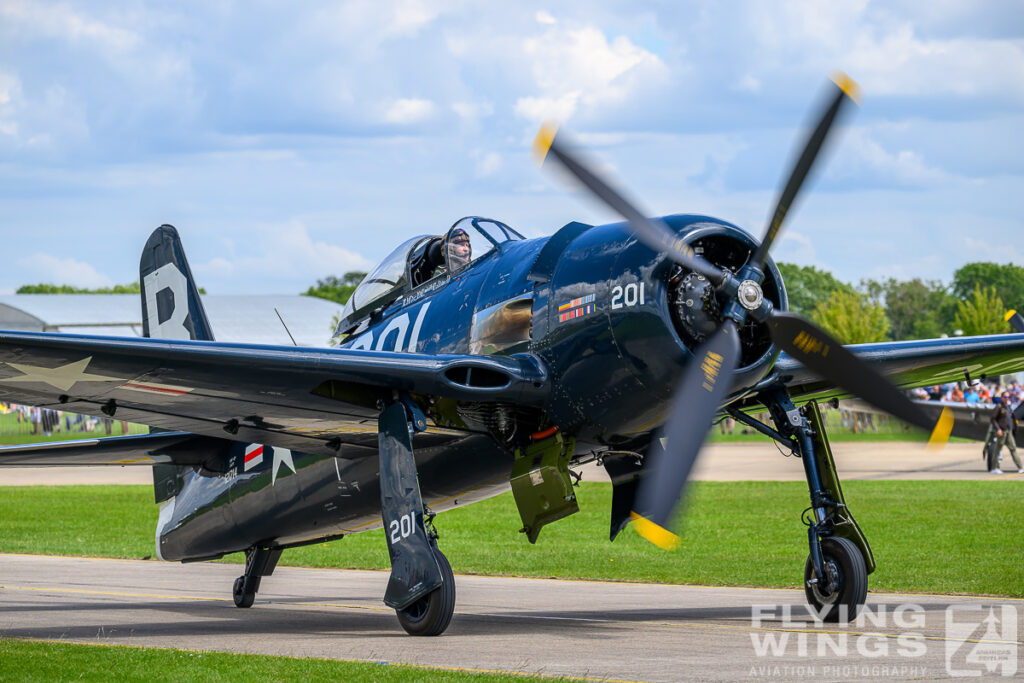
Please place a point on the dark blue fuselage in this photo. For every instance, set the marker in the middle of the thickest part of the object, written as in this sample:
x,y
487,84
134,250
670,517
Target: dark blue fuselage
x,y
592,303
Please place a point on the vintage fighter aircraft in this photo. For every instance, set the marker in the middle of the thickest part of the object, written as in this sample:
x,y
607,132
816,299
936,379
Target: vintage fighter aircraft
x,y
478,361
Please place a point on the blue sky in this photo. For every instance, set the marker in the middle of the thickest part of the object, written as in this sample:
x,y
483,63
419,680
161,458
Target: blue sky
x,y
289,141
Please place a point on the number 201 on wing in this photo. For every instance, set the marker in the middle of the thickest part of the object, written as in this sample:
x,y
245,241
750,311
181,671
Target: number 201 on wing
x,y
630,295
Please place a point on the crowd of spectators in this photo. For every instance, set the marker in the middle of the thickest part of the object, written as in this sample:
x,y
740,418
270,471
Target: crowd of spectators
x,y
985,392
47,421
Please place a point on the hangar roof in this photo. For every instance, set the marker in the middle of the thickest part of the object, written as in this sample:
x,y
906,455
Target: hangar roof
x,y
233,318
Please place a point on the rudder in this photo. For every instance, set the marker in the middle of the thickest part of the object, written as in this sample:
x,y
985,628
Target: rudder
x,y
171,307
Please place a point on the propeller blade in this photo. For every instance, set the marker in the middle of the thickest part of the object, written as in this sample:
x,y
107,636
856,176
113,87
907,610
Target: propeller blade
x,y
846,89
703,387
826,356
654,234
1016,322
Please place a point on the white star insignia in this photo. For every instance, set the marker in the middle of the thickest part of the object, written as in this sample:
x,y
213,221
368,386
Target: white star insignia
x,y
63,377
281,455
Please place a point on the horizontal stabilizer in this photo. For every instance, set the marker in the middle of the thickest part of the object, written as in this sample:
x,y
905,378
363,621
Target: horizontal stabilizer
x,y
171,448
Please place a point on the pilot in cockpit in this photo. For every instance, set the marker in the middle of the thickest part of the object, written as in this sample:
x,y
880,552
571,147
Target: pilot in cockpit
x,y
431,259
459,250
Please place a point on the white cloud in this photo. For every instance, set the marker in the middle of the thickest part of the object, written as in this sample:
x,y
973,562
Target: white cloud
x,y
41,267
409,16
882,47
488,164
10,94
548,108
898,62
996,252
406,111
472,111
904,166
582,67
282,252
543,17
63,22
749,83
796,247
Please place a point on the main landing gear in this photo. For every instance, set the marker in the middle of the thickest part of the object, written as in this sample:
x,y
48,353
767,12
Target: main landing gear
x,y
840,559
421,588
259,562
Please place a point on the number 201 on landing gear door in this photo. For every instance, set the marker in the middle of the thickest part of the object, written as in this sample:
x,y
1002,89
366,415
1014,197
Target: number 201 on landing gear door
x,y
403,527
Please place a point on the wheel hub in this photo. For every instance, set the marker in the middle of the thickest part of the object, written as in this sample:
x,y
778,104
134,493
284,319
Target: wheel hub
x,y
820,587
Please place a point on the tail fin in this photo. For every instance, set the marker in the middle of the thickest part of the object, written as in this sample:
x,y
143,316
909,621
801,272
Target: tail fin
x,y
171,308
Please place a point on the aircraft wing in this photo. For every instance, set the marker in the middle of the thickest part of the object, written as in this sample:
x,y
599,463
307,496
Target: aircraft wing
x,y
916,363
312,400
177,448
969,421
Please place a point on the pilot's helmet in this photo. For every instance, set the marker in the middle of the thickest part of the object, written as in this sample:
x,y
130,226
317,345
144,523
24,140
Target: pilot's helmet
x,y
459,250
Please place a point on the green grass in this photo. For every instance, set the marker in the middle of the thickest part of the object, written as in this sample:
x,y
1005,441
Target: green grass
x,y
14,432
25,660
927,536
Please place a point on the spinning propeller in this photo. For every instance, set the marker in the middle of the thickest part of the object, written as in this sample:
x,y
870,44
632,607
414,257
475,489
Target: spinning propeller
x,y
1015,320
706,380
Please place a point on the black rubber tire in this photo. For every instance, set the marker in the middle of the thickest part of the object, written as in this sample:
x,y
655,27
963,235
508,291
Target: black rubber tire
x,y
845,557
431,614
242,599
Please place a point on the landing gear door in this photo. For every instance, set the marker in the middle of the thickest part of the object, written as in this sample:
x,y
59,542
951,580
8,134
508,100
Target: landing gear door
x,y
414,569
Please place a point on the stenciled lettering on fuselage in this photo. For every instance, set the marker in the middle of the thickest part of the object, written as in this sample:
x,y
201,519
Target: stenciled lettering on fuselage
x,y
395,335
169,277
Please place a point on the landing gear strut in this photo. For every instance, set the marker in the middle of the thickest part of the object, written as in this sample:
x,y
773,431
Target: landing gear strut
x,y
840,559
259,562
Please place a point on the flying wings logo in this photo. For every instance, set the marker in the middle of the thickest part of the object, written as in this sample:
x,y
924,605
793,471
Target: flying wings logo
x,y
711,366
809,344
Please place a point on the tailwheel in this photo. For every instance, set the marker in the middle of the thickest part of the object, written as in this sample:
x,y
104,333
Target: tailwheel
x,y
259,562
844,589
243,598
431,614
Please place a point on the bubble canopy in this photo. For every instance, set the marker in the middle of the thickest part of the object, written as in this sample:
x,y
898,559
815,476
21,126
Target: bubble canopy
x,y
389,279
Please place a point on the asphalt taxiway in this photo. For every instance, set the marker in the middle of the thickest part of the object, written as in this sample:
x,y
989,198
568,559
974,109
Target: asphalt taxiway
x,y
598,630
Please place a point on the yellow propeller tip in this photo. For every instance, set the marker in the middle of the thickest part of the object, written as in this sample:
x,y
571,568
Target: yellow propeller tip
x,y
1009,314
940,433
847,85
542,143
658,535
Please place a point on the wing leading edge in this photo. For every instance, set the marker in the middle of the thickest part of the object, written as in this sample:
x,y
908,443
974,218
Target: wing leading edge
x,y
916,363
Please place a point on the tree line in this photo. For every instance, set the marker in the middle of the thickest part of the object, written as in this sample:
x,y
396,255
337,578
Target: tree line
x,y
974,303
47,288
